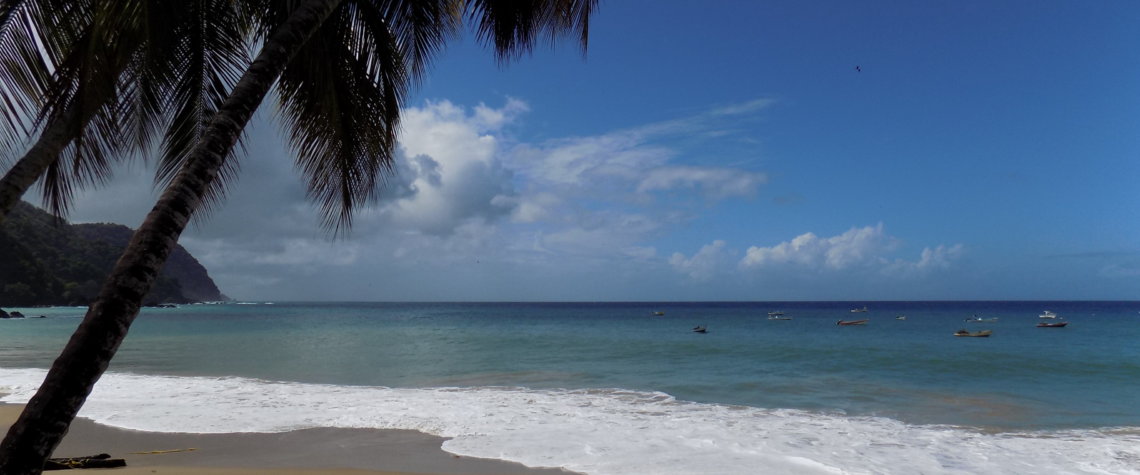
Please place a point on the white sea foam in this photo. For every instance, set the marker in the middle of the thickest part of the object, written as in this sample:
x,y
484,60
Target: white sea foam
x,y
596,431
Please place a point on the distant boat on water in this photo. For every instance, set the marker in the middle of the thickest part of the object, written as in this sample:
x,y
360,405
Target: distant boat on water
x,y
983,333
900,317
852,322
778,317
977,319
659,314
777,313
700,329
1048,314
1052,325
859,310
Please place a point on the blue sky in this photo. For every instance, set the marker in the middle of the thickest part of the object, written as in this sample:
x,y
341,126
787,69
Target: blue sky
x,y
730,151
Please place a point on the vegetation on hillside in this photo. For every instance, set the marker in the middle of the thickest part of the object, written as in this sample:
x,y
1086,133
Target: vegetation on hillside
x,y
50,262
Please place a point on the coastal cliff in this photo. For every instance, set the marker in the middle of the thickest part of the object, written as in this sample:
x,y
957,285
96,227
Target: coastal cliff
x,y
46,261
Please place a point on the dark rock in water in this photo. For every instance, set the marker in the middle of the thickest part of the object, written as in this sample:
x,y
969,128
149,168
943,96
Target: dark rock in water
x,y
4,314
15,315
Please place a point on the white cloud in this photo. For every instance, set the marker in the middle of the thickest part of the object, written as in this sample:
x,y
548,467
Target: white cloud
x,y
716,182
599,234
454,171
702,265
854,247
640,159
743,108
940,257
465,190
866,247
574,161
488,118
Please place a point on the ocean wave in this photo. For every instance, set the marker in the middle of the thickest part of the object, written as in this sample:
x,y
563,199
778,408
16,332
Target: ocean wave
x,y
597,431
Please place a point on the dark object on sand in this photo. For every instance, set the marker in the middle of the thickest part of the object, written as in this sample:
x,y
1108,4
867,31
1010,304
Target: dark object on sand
x,y
90,461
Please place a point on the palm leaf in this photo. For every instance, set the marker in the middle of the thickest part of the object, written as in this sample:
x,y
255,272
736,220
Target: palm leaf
x,y
340,98
203,70
421,28
512,27
26,55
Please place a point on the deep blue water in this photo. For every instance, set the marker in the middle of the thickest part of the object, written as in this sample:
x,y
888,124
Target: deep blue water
x,y
1086,375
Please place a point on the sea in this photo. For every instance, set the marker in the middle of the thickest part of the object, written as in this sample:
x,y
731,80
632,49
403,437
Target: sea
x,y
630,388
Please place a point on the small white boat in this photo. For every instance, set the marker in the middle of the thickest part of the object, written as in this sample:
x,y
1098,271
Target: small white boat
x,y
859,310
900,317
1048,314
776,314
778,317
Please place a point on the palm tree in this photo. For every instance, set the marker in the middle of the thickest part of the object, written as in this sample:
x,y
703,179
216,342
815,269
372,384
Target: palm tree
x,y
97,79
342,70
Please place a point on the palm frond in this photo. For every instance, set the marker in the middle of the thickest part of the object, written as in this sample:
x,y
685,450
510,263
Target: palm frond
x,y
340,98
512,27
203,69
85,93
138,70
25,62
421,27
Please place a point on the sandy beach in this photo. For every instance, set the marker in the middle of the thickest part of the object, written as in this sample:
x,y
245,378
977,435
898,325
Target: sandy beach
x,y
303,452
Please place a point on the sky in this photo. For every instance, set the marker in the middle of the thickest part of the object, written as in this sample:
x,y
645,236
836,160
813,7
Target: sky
x,y
726,150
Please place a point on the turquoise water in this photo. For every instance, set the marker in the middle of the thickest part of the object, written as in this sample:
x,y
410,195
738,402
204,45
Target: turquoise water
x,y
1022,378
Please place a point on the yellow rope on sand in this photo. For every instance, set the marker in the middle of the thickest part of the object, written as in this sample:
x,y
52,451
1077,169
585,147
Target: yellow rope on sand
x,y
153,452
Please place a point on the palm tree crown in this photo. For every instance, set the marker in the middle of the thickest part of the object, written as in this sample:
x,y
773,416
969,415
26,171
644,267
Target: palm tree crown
x,y
342,69
98,80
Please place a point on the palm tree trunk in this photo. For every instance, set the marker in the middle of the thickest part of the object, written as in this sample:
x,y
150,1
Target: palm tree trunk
x,y
32,165
47,416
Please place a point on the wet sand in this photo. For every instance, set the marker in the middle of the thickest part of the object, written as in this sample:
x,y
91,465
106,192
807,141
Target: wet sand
x,y
302,452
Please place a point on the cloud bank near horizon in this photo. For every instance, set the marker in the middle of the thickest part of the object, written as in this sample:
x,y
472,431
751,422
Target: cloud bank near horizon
x,y
556,217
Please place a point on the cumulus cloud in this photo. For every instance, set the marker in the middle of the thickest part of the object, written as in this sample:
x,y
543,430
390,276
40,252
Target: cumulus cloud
x,y
854,247
940,257
865,247
466,190
702,265
454,173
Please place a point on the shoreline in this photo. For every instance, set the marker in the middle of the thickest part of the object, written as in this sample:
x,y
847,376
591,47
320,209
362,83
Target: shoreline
x,y
301,452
